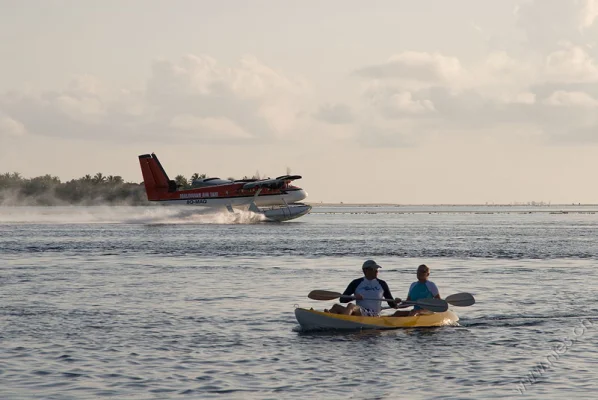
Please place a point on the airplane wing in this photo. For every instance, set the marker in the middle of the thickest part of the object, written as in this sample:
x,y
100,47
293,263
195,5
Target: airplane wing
x,y
271,183
289,177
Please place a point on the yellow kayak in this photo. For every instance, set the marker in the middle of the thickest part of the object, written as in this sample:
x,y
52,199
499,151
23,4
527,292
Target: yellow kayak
x,y
319,320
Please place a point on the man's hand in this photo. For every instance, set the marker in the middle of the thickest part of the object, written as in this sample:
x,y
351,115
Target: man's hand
x,y
358,296
397,301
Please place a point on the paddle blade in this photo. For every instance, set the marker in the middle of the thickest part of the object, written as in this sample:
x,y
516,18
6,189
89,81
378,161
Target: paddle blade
x,y
323,295
435,305
460,299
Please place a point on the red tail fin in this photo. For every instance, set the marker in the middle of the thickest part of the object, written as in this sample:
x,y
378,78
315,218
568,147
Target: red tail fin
x,y
154,177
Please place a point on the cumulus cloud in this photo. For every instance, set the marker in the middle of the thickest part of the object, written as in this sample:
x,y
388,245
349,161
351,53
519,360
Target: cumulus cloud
x,y
80,108
571,64
403,102
217,127
195,98
547,84
334,114
550,90
401,133
546,22
589,13
571,99
393,102
11,127
520,98
415,69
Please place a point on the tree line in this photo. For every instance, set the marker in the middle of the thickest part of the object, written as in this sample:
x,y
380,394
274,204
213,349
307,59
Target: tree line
x,y
48,190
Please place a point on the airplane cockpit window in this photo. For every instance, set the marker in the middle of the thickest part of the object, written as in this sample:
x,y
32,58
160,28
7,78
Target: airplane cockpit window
x,y
210,182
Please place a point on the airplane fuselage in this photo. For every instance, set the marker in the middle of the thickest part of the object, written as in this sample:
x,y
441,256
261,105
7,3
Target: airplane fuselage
x,y
221,198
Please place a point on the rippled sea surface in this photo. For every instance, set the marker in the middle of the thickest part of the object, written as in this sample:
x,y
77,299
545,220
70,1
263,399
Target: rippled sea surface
x,y
157,303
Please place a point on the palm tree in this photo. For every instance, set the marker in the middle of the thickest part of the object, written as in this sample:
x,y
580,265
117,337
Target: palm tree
x,y
114,179
99,178
9,180
49,179
181,181
196,176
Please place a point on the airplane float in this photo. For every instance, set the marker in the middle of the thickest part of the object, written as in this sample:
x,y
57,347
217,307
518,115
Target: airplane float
x,y
276,199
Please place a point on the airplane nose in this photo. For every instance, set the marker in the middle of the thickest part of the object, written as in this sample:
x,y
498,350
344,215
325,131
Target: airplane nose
x,y
301,194
295,196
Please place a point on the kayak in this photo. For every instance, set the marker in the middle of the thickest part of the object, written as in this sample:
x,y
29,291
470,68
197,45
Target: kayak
x,y
318,320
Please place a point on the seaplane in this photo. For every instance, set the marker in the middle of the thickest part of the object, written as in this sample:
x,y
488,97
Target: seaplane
x,y
276,199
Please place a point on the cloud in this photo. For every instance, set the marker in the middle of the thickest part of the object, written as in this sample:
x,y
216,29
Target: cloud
x,y
218,127
546,83
571,64
335,114
401,133
415,69
196,98
571,99
80,108
589,13
403,102
11,127
549,89
519,98
393,102
546,22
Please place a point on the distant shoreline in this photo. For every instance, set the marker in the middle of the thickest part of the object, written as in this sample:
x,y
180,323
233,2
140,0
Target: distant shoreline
x,y
448,205
399,207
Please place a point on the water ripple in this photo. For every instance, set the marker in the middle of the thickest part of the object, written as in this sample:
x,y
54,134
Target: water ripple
x,y
193,311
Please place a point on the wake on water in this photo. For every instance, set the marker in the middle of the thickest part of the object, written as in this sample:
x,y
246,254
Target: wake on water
x,y
126,215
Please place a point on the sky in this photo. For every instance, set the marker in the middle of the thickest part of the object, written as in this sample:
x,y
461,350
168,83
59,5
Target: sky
x,y
403,102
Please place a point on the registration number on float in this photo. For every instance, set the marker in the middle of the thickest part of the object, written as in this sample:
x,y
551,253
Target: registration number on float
x,y
197,201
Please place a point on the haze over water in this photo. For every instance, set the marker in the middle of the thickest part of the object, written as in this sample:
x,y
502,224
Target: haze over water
x,y
143,303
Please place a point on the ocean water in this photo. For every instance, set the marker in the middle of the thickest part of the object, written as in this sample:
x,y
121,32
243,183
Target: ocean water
x,y
159,303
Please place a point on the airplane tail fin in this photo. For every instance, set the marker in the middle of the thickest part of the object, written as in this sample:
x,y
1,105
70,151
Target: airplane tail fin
x,y
154,177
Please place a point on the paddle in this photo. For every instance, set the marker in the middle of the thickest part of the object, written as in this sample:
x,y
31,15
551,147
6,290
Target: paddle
x,y
325,295
328,295
436,305
457,299
460,299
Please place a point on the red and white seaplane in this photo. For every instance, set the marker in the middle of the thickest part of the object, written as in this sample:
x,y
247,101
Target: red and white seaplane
x,y
276,199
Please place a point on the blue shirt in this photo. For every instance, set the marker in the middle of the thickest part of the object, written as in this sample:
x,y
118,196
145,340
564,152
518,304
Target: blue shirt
x,y
418,291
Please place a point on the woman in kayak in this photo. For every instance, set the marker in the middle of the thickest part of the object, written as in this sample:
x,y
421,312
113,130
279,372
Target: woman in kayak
x,y
422,289
367,291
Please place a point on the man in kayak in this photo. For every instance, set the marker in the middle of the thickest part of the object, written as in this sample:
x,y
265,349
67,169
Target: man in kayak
x,y
367,291
422,289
